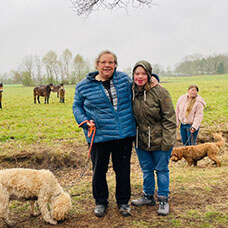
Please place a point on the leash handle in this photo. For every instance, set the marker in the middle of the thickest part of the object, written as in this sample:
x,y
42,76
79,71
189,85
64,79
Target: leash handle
x,y
91,131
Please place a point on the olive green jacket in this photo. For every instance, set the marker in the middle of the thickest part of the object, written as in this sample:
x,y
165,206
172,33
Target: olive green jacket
x,y
155,119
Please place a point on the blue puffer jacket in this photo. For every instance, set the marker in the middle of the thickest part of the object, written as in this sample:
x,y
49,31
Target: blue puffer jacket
x,y
91,103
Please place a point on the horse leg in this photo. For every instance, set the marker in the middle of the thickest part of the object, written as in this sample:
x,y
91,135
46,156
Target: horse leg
x,y
47,100
38,98
34,99
0,99
57,94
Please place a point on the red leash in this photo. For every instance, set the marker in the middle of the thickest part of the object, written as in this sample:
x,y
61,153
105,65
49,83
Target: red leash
x,y
91,131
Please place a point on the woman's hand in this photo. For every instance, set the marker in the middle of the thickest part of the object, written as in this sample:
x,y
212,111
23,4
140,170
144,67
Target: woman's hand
x,y
90,123
192,130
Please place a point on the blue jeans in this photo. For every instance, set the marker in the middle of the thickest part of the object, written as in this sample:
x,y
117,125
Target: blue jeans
x,y
186,137
155,161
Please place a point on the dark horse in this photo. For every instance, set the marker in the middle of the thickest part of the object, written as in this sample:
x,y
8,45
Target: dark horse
x,y
62,93
1,91
55,89
43,91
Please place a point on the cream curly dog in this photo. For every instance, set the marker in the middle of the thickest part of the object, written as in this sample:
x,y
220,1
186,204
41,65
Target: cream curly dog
x,y
192,154
31,184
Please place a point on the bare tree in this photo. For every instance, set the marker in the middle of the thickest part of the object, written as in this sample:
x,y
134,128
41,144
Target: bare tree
x,y
81,68
65,64
85,7
38,70
26,70
51,64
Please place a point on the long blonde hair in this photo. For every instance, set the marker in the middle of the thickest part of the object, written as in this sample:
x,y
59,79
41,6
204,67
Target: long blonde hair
x,y
190,105
192,101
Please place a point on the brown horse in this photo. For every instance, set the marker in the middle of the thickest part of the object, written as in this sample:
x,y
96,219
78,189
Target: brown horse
x,y
61,93
55,89
43,91
1,91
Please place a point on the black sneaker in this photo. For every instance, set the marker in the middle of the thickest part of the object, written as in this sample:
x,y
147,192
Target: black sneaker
x,y
124,210
144,200
100,210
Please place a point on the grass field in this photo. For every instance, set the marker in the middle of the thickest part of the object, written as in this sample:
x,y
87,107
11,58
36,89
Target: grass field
x,y
26,122
198,196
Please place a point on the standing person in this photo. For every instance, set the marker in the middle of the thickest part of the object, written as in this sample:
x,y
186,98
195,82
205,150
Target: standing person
x,y
156,134
189,114
1,91
103,99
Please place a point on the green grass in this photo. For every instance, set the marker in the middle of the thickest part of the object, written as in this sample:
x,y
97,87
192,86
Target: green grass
x,y
24,121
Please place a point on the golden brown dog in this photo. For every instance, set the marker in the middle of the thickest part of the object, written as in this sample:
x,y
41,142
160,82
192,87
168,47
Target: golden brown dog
x,y
33,185
192,154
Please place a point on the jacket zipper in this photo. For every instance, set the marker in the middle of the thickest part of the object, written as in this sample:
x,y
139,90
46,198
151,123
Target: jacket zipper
x,y
137,137
148,136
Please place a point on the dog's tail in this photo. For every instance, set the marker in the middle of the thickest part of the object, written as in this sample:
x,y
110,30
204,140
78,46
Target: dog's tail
x,y
221,140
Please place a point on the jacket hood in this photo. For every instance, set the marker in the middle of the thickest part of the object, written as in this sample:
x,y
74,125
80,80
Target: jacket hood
x,y
148,68
92,75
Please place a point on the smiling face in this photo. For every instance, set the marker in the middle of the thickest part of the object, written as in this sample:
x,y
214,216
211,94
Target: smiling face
x,y
106,66
192,92
140,77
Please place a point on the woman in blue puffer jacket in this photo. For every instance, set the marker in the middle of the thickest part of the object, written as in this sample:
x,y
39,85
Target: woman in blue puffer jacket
x,y
103,99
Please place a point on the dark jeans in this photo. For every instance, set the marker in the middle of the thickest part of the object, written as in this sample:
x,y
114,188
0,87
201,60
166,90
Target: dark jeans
x,y
186,135
120,151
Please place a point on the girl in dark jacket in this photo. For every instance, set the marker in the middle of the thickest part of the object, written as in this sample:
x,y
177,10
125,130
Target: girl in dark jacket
x,y
155,134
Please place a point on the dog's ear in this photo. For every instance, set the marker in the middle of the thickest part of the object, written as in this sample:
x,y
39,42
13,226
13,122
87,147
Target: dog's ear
x,y
178,153
172,154
61,206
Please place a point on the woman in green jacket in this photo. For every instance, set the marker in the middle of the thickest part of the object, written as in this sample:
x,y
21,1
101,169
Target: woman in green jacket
x,y
156,134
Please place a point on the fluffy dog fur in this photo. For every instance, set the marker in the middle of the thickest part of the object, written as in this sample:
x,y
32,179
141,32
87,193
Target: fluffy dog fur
x,y
192,154
31,184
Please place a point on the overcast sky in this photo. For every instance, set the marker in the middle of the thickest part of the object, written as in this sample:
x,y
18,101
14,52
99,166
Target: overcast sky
x,y
162,34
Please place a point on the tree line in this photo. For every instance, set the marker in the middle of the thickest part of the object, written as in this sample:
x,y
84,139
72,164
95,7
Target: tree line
x,y
200,65
35,70
196,64
67,69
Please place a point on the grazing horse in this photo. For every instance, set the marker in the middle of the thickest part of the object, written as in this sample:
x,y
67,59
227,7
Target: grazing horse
x,y
55,89
43,91
62,93
1,91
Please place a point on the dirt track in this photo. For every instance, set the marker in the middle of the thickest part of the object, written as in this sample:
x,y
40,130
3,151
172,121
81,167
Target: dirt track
x,y
82,212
